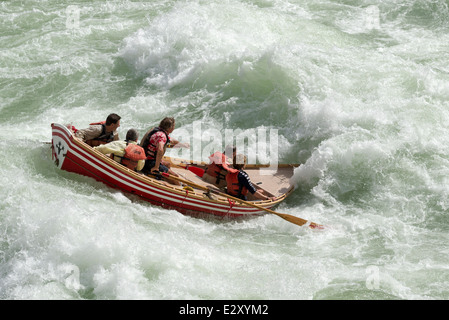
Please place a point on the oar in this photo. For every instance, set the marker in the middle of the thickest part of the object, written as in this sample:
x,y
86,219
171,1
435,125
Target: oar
x,y
296,220
198,171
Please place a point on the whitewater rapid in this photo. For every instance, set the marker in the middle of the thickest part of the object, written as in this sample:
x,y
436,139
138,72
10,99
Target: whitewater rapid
x,y
357,92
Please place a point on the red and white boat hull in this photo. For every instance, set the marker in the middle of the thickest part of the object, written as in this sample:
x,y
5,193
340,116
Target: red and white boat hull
x,y
72,155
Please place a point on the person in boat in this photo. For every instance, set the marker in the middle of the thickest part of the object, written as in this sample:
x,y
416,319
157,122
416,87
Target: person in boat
x,y
219,165
100,132
126,152
239,183
155,143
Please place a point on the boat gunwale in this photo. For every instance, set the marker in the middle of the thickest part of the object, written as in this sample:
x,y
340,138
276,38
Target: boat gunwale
x,y
147,181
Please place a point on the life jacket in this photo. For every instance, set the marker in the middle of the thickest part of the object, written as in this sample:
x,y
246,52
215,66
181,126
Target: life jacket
x,y
103,138
151,154
234,187
218,167
133,153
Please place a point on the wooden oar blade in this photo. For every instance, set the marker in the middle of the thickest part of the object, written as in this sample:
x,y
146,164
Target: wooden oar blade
x,y
290,218
299,221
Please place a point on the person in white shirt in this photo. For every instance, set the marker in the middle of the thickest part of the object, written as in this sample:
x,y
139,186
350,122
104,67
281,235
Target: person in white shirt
x,y
126,152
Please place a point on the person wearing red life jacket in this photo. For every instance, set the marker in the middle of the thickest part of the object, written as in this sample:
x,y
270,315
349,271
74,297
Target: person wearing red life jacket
x,y
239,183
155,143
126,152
219,166
100,132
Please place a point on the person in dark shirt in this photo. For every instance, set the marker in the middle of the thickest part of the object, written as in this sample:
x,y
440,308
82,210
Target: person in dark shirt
x,y
100,132
239,183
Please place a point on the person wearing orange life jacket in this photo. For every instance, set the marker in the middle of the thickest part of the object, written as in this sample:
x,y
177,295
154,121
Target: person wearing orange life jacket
x,y
239,183
100,132
219,166
126,152
155,142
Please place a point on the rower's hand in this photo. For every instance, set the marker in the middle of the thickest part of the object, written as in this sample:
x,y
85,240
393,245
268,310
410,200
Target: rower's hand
x,y
156,173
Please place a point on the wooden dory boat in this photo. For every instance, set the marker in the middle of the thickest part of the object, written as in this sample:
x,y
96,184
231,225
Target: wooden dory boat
x,y
73,155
